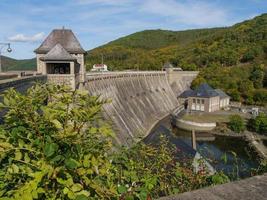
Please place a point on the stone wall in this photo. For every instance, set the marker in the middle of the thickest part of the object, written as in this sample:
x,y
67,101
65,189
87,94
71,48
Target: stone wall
x,y
21,84
253,188
80,60
138,99
62,79
41,68
196,126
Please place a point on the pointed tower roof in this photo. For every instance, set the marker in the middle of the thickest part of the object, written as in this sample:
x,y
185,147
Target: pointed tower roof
x,y
65,37
58,53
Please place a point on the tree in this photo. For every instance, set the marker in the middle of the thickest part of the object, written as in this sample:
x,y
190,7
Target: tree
x,y
197,81
249,98
258,124
236,123
246,86
260,96
250,54
257,76
235,94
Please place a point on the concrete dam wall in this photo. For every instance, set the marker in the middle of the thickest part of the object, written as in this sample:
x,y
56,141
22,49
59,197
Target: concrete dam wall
x,y
138,99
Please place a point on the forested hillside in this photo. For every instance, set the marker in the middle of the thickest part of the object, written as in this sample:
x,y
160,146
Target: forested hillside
x,y
232,58
10,64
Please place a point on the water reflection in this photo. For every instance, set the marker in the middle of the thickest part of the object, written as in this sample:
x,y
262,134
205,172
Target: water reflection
x,y
230,155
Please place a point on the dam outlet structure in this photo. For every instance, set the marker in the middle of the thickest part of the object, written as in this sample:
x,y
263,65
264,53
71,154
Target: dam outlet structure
x,y
139,99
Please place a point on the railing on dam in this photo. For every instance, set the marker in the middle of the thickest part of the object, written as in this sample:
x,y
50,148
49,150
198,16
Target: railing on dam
x,y
105,75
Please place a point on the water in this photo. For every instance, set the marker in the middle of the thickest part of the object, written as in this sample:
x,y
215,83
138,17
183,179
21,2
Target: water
x,y
230,155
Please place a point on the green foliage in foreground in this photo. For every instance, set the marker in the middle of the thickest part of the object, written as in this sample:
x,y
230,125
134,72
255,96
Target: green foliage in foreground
x,y
236,123
54,145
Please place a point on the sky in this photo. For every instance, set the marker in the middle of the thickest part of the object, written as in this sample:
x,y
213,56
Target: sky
x,y
26,23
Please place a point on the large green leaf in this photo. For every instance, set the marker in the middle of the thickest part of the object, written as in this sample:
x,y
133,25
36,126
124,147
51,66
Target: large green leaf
x,y
122,189
76,187
50,149
71,163
81,197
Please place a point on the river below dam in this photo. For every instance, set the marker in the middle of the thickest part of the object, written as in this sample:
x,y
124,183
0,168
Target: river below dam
x,y
232,155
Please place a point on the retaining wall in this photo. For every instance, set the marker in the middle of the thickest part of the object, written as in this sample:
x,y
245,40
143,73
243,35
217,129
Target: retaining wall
x,y
189,125
253,188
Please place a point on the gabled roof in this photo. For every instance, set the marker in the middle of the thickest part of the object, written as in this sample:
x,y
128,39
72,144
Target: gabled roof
x,y
58,53
222,94
65,37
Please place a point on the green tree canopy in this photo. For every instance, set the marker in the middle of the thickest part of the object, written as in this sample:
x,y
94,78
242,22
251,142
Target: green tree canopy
x,y
236,123
259,124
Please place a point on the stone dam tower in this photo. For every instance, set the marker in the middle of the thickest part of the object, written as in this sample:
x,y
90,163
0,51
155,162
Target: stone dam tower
x,y
61,58
139,99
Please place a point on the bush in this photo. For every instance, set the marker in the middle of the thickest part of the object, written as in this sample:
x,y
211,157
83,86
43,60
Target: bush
x,y
259,124
250,55
257,76
260,97
235,95
236,123
54,145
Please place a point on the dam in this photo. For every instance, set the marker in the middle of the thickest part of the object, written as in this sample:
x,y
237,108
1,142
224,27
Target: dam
x,y
139,99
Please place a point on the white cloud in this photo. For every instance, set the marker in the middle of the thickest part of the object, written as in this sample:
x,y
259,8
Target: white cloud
x,y
187,12
22,38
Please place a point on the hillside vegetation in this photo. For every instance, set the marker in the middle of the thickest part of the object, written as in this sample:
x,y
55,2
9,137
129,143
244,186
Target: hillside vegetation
x,y
191,49
10,64
232,58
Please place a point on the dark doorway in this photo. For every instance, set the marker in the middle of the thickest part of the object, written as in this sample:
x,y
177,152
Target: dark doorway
x,y
185,104
58,68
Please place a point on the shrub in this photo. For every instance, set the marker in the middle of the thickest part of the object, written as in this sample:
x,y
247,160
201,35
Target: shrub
x,y
259,124
260,96
257,76
236,123
54,145
235,94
